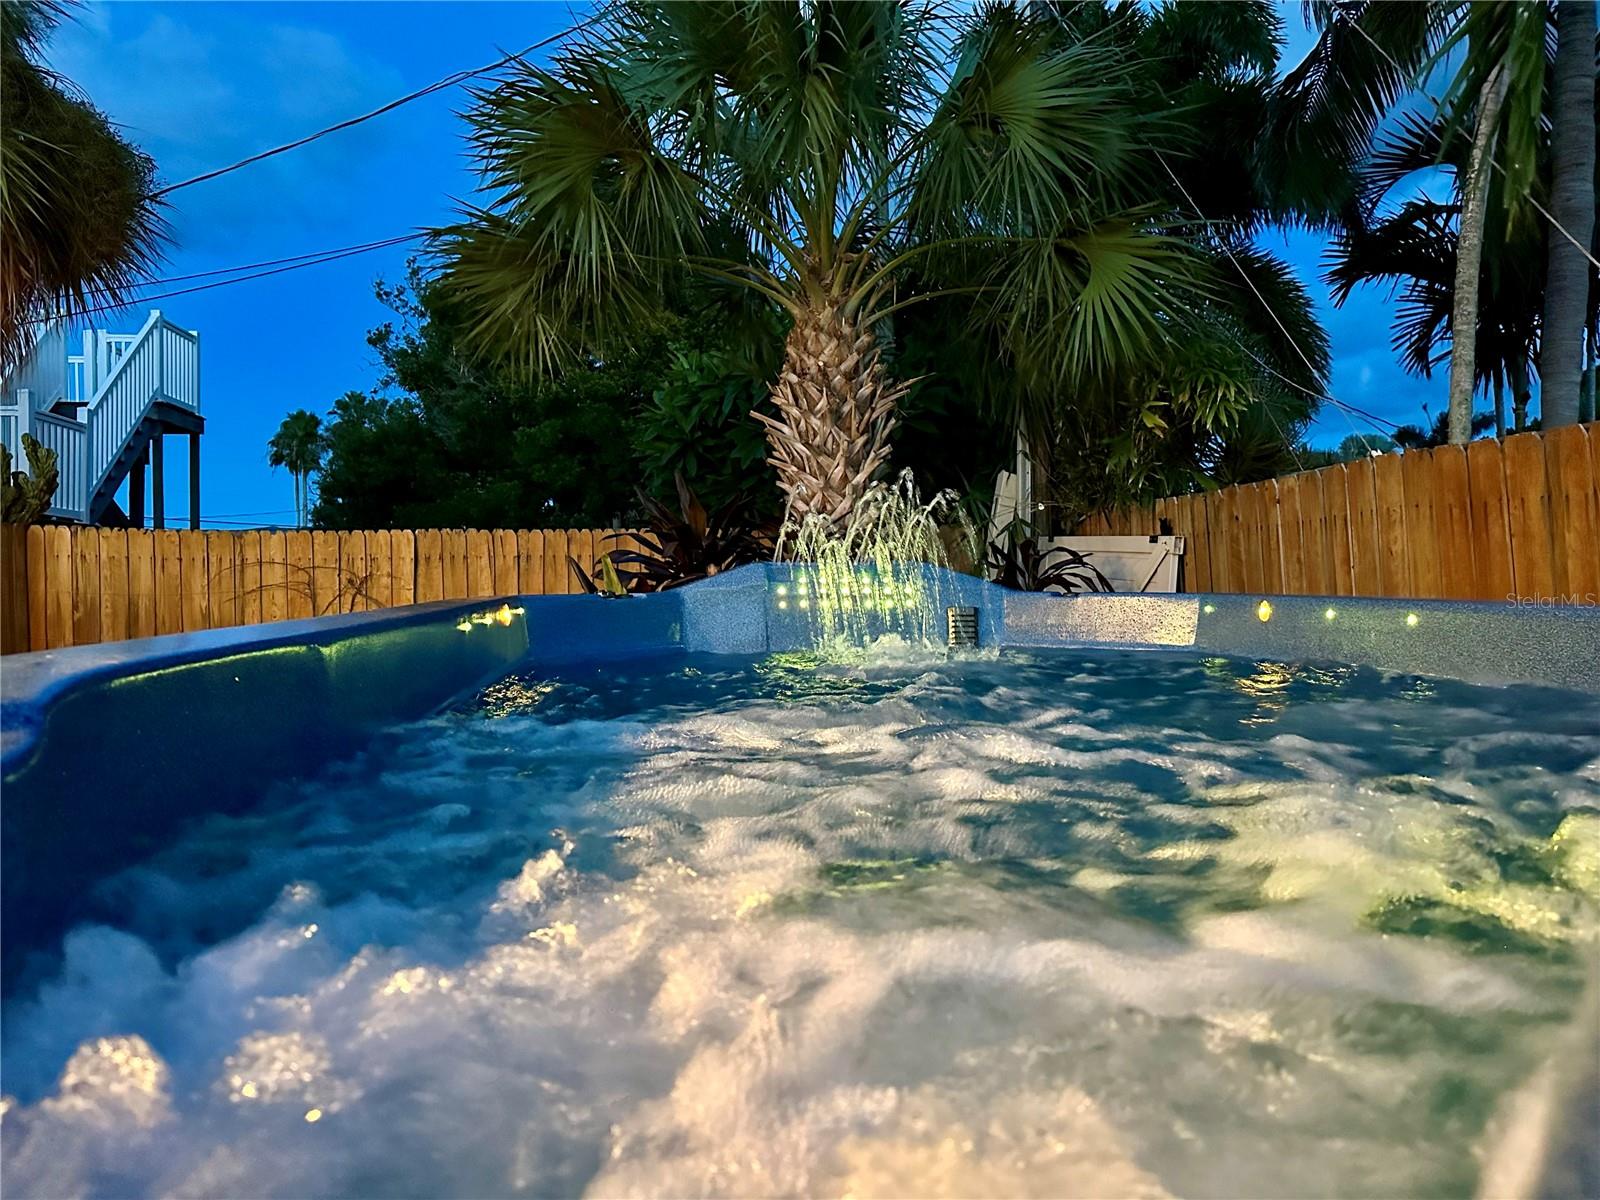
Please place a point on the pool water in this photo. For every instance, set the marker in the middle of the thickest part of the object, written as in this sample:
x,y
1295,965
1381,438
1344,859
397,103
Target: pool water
x,y
1053,924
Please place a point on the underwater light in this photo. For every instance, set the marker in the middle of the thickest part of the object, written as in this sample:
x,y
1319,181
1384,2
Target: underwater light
x,y
464,626
1208,608
1329,614
1412,619
783,604
1264,610
783,589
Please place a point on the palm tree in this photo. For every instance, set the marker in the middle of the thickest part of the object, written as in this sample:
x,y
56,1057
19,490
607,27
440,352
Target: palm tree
x,y
1412,246
842,161
78,220
298,445
1572,138
1369,56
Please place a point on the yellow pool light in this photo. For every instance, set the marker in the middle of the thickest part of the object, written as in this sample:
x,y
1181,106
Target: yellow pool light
x,y
313,1115
783,589
1208,608
1264,611
1412,619
1329,614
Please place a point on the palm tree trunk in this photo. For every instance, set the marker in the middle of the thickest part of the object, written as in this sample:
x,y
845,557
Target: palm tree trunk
x,y
835,411
1469,258
1566,295
1499,407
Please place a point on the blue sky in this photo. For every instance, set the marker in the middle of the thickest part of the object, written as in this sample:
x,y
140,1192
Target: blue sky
x,y
199,85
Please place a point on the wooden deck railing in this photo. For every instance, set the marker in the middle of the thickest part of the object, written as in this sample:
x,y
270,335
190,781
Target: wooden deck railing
x,y
1512,520
63,585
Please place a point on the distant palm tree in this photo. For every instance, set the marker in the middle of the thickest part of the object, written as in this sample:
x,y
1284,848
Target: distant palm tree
x,y
840,161
298,445
1370,55
78,222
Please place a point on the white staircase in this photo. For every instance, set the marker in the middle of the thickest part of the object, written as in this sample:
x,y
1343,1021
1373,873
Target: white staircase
x,y
101,410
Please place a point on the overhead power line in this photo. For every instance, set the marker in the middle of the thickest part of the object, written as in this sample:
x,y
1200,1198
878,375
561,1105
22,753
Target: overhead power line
x,y
294,264
449,81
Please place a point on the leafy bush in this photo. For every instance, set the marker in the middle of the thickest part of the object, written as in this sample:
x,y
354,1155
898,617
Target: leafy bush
x,y
1016,561
698,424
691,544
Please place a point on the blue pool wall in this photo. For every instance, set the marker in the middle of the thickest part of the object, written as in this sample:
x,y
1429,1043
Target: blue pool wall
x,y
105,749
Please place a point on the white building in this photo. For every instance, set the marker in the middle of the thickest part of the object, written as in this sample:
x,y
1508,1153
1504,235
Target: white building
x,y
106,413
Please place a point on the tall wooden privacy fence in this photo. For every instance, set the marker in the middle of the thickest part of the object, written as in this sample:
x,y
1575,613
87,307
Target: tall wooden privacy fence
x,y
66,585
1518,519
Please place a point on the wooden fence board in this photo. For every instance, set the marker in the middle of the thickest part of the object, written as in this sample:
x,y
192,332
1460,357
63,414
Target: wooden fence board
x,y
505,562
555,562
1452,523
223,571
455,564
380,565
249,559
141,583
530,562
196,592
403,565
1532,549
13,588
1417,480
355,572
1336,503
38,593
1200,546
85,587
480,564
58,578
430,565
169,582
1393,562
274,575
1574,521
1360,485
1493,575
300,556
1252,535
1292,534
113,585
327,593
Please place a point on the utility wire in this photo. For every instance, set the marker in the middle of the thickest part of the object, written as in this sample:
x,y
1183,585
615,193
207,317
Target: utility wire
x,y
448,81
273,262
330,256
1271,312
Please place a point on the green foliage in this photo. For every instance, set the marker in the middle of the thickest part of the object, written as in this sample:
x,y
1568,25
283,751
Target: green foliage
x,y
28,494
679,547
77,217
448,442
698,423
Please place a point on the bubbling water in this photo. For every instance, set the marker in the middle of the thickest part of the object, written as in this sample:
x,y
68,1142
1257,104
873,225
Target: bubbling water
x,y
876,575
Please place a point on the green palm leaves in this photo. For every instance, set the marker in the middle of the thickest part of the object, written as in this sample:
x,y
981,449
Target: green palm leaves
x,y
77,219
298,445
841,161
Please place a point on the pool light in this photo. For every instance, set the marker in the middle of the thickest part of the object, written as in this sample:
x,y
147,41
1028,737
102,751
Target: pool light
x,y
1208,608
1329,614
1264,610
1412,619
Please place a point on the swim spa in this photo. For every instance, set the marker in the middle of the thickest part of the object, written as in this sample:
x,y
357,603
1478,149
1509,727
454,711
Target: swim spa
x,y
1143,896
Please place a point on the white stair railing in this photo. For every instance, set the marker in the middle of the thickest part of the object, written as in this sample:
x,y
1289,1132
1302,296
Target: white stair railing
x,y
160,363
70,441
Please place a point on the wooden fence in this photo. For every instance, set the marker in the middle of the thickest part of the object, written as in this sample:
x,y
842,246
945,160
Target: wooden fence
x,y
1487,521
64,585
